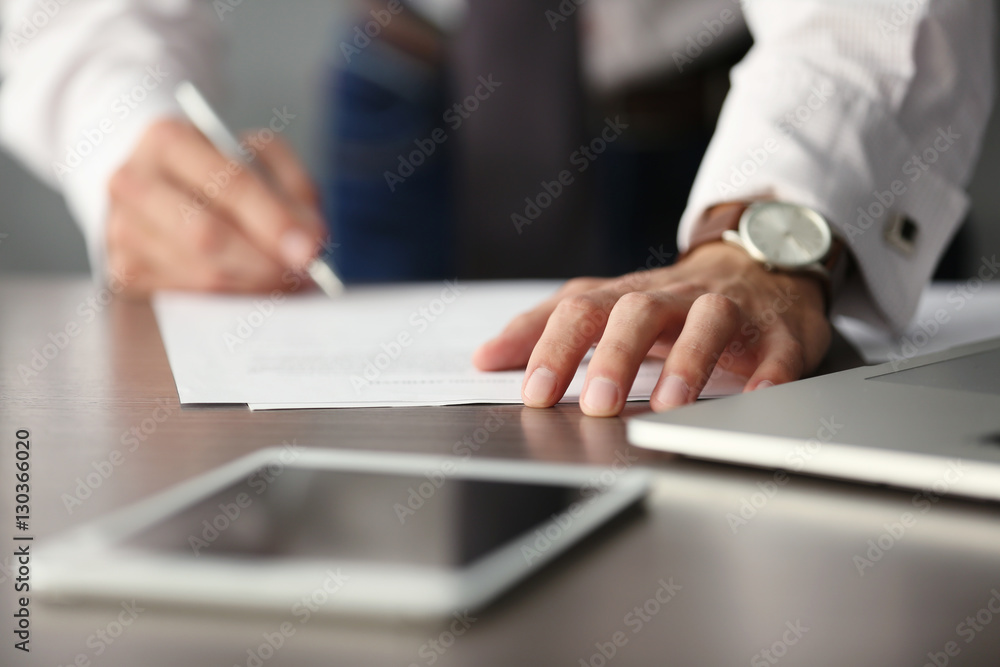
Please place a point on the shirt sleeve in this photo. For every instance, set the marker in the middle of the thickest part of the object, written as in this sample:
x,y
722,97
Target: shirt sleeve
x,y
82,80
868,112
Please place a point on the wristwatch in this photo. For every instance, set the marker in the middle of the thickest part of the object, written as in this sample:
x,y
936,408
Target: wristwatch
x,y
789,237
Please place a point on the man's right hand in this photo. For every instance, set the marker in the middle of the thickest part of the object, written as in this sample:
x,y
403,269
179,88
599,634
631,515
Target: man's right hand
x,y
184,216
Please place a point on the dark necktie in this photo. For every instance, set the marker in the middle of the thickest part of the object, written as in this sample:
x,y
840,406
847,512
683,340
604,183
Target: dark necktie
x,y
515,218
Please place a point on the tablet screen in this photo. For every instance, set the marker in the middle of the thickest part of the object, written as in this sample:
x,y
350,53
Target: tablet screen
x,y
324,514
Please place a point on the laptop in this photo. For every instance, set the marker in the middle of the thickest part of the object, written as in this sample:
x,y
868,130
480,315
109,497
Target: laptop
x,y
930,423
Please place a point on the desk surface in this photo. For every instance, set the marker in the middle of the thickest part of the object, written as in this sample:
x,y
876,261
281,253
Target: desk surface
x,y
784,580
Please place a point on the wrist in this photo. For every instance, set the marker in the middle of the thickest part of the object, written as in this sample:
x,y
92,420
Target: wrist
x,y
718,258
739,223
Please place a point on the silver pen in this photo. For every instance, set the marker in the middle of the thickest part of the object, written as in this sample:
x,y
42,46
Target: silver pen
x,y
203,116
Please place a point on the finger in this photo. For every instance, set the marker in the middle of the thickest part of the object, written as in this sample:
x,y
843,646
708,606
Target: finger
x,y
221,254
135,241
512,348
637,320
575,324
124,265
782,360
185,247
168,263
136,251
289,173
260,213
710,326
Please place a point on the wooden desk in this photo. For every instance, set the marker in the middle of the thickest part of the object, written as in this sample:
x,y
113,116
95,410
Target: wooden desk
x,y
791,565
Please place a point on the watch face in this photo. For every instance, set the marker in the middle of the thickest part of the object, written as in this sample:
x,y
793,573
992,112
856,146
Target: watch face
x,y
786,235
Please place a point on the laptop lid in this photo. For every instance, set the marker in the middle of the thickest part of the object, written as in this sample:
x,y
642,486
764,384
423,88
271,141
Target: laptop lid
x,y
930,423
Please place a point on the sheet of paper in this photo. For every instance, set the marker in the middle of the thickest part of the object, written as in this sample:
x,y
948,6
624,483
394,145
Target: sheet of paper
x,y
950,314
400,345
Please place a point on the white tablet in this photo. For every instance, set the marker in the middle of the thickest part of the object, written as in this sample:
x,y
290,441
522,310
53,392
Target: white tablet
x,y
306,531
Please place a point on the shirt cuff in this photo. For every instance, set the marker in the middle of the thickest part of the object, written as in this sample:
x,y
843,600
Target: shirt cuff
x,y
830,147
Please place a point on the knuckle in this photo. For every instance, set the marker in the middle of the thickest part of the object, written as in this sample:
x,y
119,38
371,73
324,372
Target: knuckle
x,y
119,263
576,285
561,351
122,184
166,133
117,235
796,353
584,306
246,195
720,304
634,281
519,322
193,211
207,237
585,315
639,301
615,348
789,363
686,288
213,280
241,186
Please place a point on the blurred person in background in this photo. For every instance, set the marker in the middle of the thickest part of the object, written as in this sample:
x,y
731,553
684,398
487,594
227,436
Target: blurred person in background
x,y
540,139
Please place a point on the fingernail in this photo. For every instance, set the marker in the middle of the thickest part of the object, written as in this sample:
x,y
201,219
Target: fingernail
x,y
296,248
763,384
673,392
601,396
540,387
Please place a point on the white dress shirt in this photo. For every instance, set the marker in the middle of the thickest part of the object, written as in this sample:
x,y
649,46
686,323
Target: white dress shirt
x,y
841,105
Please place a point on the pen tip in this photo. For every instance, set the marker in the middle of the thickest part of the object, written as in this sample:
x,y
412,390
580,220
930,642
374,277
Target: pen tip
x,y
323,275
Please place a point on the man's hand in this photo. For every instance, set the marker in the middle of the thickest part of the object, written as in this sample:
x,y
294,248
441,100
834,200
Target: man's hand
x,y
183,216
715,308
